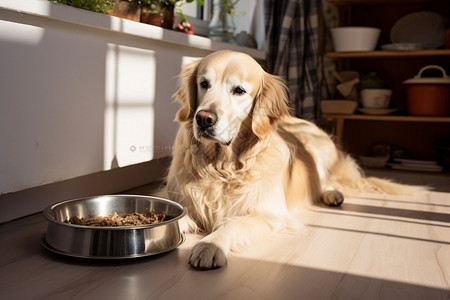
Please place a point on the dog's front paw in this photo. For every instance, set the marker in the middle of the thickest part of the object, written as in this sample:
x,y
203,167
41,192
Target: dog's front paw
x,y
333,198
207,256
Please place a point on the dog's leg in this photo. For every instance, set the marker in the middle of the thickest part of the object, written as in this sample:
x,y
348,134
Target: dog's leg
x,y
207,255
211,252
187,225
332,197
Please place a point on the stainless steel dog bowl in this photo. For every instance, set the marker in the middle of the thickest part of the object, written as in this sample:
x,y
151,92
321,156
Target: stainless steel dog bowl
x,y
112,242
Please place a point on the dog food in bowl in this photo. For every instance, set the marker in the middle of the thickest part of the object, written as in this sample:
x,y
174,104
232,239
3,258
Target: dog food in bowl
x,y
133,219
108,240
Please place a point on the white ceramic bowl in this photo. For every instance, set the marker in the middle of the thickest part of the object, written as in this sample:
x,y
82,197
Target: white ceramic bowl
x,y
355,38
376,98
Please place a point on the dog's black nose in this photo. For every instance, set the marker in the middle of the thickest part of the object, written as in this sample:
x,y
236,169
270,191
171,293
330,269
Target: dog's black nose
x,y
206,118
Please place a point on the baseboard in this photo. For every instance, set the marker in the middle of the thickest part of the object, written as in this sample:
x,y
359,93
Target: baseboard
x,y
33,200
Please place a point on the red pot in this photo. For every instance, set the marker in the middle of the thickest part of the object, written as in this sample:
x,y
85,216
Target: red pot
x,y
429,96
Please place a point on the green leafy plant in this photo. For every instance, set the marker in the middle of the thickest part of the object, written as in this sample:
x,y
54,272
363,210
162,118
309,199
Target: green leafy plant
x,y
100,6
371,81
159,5
230,8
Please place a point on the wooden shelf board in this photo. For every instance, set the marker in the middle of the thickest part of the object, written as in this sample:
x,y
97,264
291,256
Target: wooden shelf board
x,y
388,118
369,2
388,54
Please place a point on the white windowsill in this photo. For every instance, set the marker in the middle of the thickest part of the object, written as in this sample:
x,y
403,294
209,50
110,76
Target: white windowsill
x,y
64,13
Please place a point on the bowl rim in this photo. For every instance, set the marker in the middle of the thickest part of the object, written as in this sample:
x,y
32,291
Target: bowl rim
x,y
47,211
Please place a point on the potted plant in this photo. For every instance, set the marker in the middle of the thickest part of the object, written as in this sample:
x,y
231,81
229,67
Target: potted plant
x,y
100,6
127,9
158,12
162,12
374,91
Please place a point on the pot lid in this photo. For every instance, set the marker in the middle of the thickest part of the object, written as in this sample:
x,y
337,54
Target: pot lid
x,y
418,79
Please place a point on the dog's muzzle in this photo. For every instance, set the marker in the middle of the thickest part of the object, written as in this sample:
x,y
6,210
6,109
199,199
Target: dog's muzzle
x,y
206,127
206,120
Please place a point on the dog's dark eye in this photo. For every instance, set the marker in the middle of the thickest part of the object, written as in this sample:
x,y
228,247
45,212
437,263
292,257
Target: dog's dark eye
x,y
204,84
238,90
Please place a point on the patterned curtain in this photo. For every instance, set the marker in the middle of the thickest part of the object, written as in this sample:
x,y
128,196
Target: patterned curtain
x,y
292,50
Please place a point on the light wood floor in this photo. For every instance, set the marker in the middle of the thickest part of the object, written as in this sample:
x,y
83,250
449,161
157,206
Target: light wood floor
x,y
374,247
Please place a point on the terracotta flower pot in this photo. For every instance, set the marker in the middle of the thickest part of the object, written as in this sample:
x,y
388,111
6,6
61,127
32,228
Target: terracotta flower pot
x,y
127,10
164,18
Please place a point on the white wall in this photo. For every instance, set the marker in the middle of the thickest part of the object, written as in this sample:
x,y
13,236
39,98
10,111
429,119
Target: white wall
x,y
253,21
82,92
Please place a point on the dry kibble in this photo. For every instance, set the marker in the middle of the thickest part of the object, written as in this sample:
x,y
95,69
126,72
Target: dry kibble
x,y
132,219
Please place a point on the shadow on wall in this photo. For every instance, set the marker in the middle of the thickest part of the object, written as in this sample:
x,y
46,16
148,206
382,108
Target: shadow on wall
x,y
77,99
52,101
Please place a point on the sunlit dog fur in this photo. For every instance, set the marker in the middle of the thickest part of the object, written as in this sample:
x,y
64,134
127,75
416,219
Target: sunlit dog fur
x,y
243,174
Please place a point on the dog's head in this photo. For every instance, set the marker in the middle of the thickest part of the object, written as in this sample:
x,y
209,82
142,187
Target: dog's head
x,y
221,91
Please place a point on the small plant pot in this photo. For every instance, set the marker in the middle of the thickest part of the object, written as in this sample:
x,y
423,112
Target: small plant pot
x,y
127,10
376,98
164,18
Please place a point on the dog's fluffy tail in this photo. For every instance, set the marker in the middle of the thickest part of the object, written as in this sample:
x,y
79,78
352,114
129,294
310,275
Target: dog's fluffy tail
x,y
348,178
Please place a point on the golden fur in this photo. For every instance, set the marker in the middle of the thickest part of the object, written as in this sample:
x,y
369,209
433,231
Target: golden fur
x,y
241,178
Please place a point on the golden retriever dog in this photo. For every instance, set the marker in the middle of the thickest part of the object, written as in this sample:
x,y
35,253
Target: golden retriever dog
x,y
242,164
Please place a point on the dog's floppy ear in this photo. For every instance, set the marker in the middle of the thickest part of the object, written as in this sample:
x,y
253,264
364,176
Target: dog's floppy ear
x,y
271,104
187,93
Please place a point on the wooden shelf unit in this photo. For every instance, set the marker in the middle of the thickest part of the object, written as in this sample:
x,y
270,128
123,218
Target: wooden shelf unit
x,y
389,54
371,2
414,134
340,120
